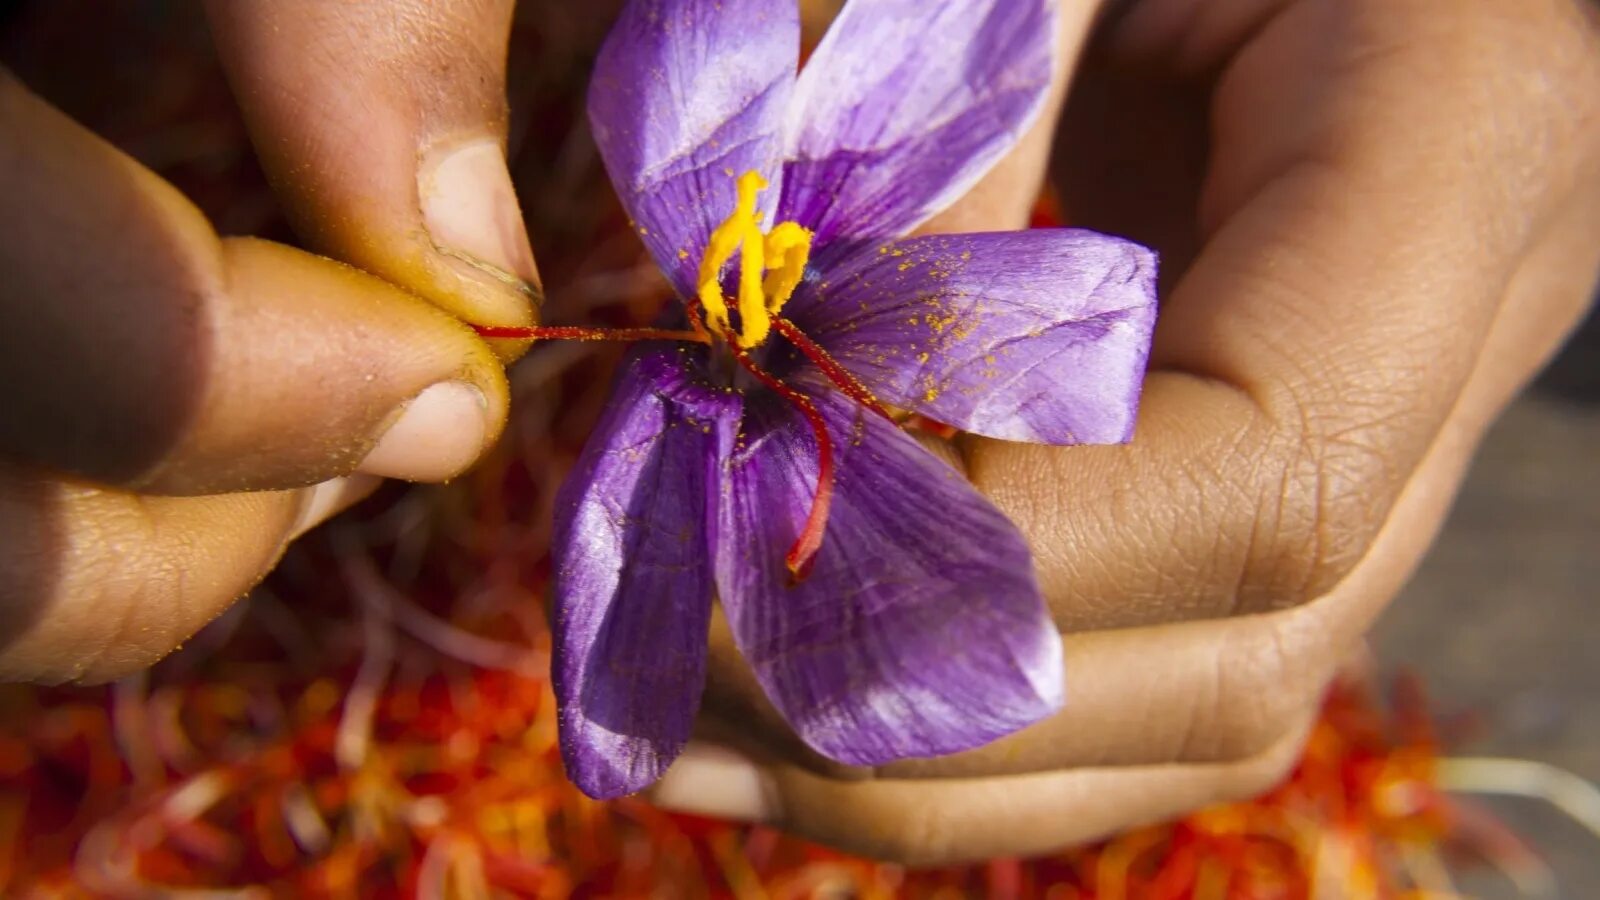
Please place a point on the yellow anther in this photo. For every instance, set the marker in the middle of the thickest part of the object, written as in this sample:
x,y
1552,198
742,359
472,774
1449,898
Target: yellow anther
x,y
752,262
789,246
725,239
762,292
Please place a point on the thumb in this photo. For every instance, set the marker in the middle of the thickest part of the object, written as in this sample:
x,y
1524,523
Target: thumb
x,y
382,126
139,350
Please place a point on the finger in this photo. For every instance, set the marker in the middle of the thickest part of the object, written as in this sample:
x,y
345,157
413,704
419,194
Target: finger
x,y
1221,690
97,583
383,128
322,502
1302,365
139,350
944,822
1225,688
1216,690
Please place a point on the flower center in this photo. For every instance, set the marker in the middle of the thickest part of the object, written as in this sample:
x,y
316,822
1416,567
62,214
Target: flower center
x,y
771,265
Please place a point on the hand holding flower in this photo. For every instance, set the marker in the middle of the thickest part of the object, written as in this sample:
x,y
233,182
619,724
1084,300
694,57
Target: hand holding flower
x,y
179,406
1376,221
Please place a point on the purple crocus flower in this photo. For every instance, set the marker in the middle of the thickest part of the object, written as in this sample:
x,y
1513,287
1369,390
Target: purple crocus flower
x,y
887,609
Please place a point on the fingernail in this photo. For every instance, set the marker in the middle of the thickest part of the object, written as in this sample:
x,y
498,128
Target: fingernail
x,y
435,436
471,212
711,780
324,500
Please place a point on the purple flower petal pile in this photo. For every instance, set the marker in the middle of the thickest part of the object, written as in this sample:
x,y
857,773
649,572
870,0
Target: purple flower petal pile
x,y
918,628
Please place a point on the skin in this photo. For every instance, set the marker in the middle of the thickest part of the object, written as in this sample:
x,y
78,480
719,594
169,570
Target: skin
x,y
180,406
1377,222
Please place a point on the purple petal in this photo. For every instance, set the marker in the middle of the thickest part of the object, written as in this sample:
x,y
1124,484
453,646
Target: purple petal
x,y
920,630
906,104
1034,335
632,577
686,96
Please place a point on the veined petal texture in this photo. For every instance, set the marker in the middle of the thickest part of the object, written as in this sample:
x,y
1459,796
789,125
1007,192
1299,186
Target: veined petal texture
x,y
633,576
687,95
920,630
1038,335
905,105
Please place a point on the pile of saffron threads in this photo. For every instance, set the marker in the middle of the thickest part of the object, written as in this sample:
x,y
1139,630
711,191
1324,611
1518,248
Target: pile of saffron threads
x,y
370,740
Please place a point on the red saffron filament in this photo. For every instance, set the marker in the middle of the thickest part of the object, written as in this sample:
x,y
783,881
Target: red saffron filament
x,y
804,551
575,333
839,375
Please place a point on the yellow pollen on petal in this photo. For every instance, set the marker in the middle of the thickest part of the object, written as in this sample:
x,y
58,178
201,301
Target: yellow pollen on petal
x,y
771,266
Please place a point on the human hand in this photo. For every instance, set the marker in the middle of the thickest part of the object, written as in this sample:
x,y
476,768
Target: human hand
x,y
1377,221
180,406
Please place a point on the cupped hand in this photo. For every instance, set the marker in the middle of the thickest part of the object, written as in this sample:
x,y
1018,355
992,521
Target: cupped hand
x,y
1377,221
179,406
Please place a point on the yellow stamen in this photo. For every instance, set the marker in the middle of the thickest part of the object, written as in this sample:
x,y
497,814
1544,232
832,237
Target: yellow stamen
x,y
790,244
753,320
762,291
725,239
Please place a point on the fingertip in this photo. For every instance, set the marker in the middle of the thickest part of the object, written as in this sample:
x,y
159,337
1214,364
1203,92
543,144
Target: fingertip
x,y
713,780
316,370
421,396
402,171
470,209
479,262
435,436
460,243
324,501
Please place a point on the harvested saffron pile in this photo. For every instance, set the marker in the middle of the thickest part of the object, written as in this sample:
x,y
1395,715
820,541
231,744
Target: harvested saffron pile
x,y
365,738
378,721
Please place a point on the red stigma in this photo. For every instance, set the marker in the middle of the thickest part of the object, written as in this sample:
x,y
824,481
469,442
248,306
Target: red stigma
x,y
839,375
573,333
804,551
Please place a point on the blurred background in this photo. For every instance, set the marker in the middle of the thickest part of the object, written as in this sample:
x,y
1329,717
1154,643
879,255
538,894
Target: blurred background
x,y
1500,621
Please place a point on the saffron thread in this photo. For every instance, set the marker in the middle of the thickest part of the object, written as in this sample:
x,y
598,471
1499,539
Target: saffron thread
x,y
802,554
577,333
838,374
804,551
